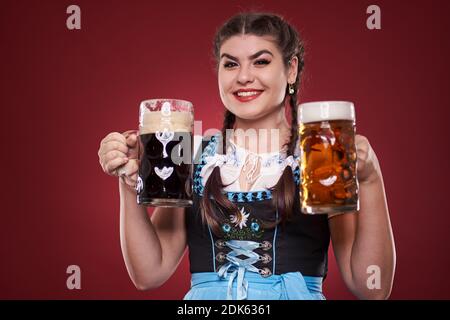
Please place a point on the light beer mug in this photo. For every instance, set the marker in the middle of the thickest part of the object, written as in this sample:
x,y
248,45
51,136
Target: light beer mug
x,y
165,143
328,157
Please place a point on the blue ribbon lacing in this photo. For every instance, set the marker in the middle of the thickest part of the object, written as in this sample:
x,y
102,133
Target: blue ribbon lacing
x,y
236,267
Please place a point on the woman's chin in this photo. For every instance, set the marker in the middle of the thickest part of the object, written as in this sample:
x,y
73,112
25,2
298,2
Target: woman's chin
x,y
246,112
252,110
248,115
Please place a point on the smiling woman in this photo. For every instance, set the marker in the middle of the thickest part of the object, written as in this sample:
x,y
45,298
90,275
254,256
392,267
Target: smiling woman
x,y
246,235
259,62
260,244
247,94
251,69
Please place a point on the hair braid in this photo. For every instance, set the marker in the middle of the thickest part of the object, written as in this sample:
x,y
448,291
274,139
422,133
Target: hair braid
x,y
228,121
214,185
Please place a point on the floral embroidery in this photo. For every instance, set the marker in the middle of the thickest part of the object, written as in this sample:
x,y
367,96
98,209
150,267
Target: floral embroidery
x,y
278,158
242,226
226,227
240,219
255,226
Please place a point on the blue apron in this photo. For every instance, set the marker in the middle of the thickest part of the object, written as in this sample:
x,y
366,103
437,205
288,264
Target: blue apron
x,y
287,286
239,279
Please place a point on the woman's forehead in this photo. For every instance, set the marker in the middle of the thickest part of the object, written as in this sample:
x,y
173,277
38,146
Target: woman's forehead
x,y
247,44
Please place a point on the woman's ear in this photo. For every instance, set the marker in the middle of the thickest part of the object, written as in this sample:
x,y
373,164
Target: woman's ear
x,y
293,69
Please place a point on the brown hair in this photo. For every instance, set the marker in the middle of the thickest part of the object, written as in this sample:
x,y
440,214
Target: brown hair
x,y
290,45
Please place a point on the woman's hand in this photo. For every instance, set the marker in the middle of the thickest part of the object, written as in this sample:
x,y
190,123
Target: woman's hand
x,y
118,156
367,163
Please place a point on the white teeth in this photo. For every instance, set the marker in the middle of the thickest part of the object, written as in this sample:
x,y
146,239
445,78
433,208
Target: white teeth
x,y
247,94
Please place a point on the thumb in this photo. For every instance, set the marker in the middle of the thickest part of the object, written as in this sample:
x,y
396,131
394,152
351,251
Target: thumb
x,y
131,140
133,146
131,137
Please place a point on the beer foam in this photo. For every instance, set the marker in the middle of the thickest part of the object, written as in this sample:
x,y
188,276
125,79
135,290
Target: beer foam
x,y
326,110
179,121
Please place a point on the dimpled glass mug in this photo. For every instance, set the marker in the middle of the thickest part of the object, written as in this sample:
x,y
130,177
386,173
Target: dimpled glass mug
x,y
328,157
165,144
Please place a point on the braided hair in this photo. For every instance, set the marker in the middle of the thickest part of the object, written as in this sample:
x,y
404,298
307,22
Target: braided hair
x,y
290,45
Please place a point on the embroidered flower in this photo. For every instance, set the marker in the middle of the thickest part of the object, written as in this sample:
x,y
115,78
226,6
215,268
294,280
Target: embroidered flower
x,y
255,226
277,158
253,232
240,219
226,227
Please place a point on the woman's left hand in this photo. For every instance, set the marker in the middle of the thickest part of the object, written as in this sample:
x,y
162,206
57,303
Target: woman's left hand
x,y
367,163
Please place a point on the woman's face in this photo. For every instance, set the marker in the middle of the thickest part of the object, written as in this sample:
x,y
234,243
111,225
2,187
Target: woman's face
x,y
252,76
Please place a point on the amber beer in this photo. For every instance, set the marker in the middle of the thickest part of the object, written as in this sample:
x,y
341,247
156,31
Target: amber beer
x,y
328,157
165,143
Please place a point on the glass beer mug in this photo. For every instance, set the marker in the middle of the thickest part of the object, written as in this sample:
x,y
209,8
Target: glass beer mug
x,y
328,157
165,143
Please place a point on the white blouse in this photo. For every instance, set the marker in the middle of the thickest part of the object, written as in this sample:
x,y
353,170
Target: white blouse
x,y
271,167
232,163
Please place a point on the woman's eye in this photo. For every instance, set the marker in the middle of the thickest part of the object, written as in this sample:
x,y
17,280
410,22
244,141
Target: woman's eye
x,y
230,64
262,62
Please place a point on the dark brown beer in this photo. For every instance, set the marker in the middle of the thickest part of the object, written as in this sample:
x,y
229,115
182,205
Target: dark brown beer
x,y
165,142
161,181
328,165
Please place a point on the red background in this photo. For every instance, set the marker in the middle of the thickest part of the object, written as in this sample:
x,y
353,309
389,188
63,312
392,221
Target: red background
x,y
62,91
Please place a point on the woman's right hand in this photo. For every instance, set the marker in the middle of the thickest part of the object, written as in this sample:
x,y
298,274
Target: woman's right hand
x,y
118,156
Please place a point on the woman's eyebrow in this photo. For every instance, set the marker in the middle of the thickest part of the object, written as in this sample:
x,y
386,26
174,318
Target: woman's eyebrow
x,y
253,56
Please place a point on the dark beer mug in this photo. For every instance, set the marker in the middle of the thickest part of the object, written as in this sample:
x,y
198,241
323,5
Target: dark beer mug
x,y
165,143
328,157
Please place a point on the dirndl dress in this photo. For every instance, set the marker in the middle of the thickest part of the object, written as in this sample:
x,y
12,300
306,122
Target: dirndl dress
x,y
250,261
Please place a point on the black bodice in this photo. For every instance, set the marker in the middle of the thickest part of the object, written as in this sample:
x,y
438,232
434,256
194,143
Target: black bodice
x,y
300,244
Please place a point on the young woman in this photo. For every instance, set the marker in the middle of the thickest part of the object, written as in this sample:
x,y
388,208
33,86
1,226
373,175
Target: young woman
x,y
247,238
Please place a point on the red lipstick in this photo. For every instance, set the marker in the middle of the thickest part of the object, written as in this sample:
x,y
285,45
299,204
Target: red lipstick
x,y
246,95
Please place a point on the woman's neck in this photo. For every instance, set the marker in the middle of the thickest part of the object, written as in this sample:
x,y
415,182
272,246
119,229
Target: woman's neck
x,y
265,135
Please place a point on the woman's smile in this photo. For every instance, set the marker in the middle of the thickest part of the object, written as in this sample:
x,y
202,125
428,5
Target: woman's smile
x,y
246,95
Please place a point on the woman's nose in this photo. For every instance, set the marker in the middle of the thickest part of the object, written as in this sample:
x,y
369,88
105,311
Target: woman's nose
x,y
245,75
